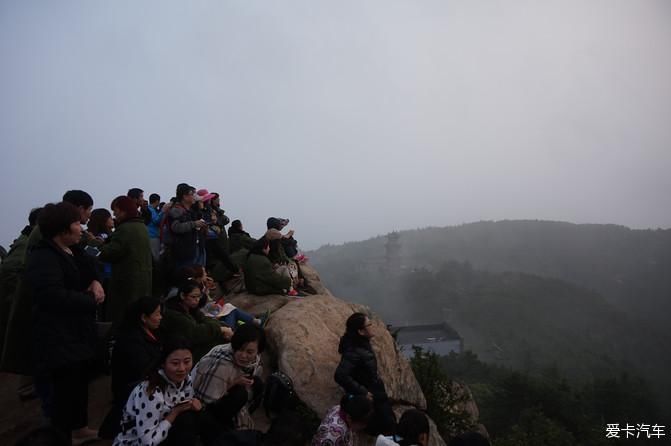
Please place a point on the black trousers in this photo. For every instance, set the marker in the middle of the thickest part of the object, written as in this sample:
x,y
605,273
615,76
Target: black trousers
x,y
383,420
70,397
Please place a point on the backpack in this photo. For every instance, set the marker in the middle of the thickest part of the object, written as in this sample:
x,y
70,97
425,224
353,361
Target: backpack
x,y
290,246
279,394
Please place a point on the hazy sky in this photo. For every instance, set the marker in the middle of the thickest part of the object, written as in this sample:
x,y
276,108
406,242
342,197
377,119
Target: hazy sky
x,y
352,118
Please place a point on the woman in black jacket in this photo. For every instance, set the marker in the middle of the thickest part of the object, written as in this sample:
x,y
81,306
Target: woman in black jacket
x,y
357,373
63,283
136,351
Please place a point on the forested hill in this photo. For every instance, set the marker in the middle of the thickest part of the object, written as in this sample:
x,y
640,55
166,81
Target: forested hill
x,y
630,268
591,300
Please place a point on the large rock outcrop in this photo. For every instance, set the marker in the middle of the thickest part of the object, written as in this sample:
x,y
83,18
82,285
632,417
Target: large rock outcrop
x,y
303,336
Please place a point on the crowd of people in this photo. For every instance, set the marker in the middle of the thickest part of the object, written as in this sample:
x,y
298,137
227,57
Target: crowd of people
x,y
185,364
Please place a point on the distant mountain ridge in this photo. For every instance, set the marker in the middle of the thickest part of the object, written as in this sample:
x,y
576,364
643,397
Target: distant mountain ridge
x,y
631,268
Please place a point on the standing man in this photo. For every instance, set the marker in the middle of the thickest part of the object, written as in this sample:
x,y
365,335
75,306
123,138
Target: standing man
x,y
187,236
154,225
137,195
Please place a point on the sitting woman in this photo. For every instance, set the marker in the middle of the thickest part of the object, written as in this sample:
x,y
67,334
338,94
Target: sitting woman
x,y
129,252
357,373
260,277
228,381
351,415
136,350
182,317
211,305
239,239
156,411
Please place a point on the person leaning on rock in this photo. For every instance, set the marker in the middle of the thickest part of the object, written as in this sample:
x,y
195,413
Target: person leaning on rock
x,y
357,373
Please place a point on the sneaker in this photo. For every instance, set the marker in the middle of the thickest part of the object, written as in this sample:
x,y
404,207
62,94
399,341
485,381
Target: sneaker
x,y
264,319
292,292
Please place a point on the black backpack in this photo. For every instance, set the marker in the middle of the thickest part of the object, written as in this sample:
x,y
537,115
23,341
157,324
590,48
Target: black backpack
x,y
279,394
290,247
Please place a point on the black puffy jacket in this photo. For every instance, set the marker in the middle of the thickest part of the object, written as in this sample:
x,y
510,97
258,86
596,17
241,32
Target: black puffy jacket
x,y
135,353
357,371
63,311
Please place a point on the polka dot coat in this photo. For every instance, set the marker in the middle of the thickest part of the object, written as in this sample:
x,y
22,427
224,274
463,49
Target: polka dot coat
x,y
143,422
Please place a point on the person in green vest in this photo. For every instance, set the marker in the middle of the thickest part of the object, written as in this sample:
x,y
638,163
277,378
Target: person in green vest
x,y
129,251
260,277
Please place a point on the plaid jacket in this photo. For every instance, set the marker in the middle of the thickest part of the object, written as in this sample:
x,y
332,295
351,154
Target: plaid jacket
x,y
215,372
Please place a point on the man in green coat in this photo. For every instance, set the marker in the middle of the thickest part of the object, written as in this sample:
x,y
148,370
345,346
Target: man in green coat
x,y
260,277
129,251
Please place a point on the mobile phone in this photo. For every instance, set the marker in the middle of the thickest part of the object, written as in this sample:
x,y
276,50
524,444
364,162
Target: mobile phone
x,y
92,251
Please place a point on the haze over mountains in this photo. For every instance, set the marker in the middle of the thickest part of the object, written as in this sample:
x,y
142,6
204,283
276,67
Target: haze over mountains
x,y
590,300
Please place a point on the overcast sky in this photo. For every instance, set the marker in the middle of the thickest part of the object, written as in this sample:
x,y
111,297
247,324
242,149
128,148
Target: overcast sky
x,y
352,118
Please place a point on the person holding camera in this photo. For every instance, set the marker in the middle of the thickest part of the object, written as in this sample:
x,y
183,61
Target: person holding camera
x,y
185,235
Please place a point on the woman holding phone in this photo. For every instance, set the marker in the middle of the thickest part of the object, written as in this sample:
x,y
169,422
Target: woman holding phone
x,y
228,381
157,409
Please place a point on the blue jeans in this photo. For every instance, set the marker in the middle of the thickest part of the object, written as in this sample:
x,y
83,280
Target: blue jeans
x,y
232,318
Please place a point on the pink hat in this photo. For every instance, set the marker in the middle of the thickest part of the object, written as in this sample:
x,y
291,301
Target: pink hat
x,y
205,195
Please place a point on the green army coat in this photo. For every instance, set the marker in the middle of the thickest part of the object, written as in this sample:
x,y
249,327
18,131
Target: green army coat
x,y
203,332
17,352
129,252
10,272
261,279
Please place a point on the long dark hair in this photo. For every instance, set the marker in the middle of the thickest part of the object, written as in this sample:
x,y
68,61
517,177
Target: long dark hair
x,y
187,286
354,323
156,381
358,407
143,306
98,222
412,424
